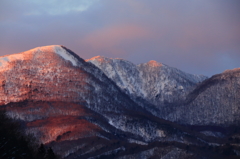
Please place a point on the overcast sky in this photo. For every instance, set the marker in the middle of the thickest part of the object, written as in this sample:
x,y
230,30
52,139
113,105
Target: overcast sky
x,y
196,36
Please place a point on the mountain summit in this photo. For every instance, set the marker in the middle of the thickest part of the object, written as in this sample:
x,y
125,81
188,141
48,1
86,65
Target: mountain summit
x,y
46,53
24,75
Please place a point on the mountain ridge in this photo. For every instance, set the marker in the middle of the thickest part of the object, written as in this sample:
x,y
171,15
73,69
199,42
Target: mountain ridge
x,y
153,82
85,111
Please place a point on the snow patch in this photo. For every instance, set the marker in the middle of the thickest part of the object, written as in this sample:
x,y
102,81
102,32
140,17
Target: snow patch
x,y
5,59
137,142
66,55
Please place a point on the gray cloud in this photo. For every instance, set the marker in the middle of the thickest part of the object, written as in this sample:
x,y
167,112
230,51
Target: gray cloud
x,y
200,36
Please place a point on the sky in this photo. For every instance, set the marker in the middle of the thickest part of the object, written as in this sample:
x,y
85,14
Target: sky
x,y
195,36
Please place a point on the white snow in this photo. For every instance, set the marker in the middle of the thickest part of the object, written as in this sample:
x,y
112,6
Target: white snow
x,y
5,60
137,142
152,81
66,55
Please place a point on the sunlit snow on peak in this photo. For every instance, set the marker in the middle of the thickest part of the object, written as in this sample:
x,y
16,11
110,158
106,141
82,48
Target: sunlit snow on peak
x,y
58,49
95,58
154,63
66,55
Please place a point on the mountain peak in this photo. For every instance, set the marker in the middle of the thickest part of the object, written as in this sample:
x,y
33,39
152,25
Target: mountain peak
x,y
232,70
154,63
43,52
98,58
59,50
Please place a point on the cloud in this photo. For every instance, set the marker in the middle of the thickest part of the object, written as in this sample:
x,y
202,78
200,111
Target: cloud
x,y
56,7
113,39
199,36
10,9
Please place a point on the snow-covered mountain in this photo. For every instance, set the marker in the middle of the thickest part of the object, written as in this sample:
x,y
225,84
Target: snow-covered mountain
x,y
54,73
178,96
118,109
54,90
63,100
213,102
154,82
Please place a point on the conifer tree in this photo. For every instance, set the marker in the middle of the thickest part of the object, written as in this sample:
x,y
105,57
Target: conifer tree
x,y
50,154
41,151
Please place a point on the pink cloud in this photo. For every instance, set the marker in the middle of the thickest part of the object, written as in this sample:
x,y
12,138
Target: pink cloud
x,y
112,38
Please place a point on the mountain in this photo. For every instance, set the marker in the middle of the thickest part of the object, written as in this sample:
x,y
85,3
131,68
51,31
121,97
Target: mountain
x,y
178,96
52,90
216,101
82,112
152,85
157,83
54,73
